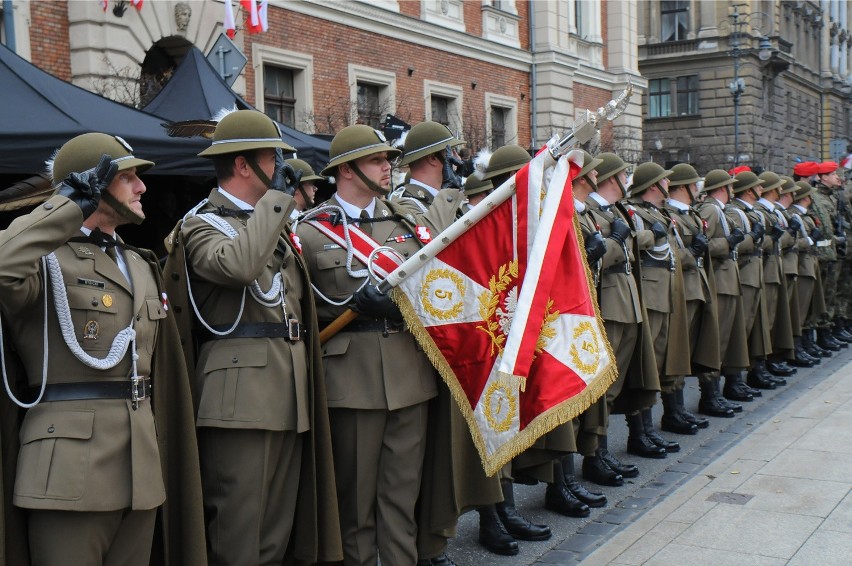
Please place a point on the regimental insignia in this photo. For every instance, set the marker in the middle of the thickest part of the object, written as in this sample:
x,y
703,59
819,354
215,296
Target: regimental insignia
x,y
501,406
91,330
586,349
421,194
442,294
497,305
107,300
85,251
385,213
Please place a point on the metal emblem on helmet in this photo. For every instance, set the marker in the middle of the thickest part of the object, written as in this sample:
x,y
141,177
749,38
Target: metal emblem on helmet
x,y
381,136
123,143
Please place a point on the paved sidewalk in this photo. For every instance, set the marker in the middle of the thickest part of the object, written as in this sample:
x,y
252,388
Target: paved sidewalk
x,y
779,496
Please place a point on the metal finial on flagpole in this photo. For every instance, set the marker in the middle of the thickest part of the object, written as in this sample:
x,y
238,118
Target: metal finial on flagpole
x,y
589,122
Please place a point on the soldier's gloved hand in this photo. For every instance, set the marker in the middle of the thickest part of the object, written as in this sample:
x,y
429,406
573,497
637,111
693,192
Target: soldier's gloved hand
x,y
371,302
85,188
840,245
794,226
776,231
699,244
735,238
620,230
450,179
757,232
595,247
284,177
659,230
816,235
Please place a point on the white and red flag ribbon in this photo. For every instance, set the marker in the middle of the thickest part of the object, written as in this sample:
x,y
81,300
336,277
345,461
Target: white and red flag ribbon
x,y
104,4
137,4
507,315
228,23
253,18
846,162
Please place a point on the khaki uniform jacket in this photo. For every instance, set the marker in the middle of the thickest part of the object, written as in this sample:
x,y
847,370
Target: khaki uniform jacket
x,y
262,383
98,455
620,300
773,274
824,212
809,267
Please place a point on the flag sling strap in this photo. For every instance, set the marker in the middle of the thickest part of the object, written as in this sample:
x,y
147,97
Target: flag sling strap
x,y
363,246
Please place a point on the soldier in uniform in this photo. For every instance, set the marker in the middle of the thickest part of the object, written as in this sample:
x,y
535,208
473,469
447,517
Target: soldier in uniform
x,y
722,247
262,422
699,292
662,292
379,381
89,319
811,303
743,215
307,190
625,322
777,238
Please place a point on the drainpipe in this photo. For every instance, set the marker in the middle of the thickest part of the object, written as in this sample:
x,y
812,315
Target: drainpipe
x,y
9,24
533,79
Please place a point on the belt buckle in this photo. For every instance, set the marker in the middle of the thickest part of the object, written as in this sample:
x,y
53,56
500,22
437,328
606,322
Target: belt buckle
x,y
137,390
735,255
699,261
294,330
627,268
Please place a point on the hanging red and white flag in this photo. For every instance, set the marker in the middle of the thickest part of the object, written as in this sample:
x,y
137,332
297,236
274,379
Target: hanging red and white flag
x,y
263,14
512,326
253,19
137,4
846,162
228,23
104,4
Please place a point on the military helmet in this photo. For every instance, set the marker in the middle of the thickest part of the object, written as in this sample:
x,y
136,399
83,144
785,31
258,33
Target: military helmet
x,y
245,130
646,175
770,181
589,163
507,159
354,142
683,174
473,185
610,165
715,179
307,171
803,189
744,181
788,185
84,152
425,139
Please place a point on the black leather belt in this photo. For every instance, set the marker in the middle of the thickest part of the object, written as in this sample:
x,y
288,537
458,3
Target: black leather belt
x,y
376,325
290,330
786,251
135,390
661,263
622,267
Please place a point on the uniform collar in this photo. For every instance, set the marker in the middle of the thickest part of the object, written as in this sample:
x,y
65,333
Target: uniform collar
x,y
353,211
431,190
678,205
579,206
240,204
600,200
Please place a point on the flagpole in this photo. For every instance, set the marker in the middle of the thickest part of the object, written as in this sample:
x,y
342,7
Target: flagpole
x,y
583,129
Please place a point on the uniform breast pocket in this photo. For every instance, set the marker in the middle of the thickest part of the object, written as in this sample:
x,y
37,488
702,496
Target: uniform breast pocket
x,y
332,276
334,363
234,382
54,457
94,316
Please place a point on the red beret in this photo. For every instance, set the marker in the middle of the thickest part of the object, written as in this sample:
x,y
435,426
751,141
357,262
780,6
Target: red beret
x,y
733,172
806,168
827,167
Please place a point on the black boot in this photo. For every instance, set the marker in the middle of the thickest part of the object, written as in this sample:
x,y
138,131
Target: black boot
x,y
654,436
596,471
826,342
779,368
757,379
809,343
838,331
616,465
559,498
638,442
735,389
517,526
802,359
578,490
709,403
442,560
493,534
699,422
673,419
766,375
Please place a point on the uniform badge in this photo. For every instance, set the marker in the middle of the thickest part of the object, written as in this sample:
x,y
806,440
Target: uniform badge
x,y
90,332
85,251
385,213
107,300
421,194
423,234
297,242
165,300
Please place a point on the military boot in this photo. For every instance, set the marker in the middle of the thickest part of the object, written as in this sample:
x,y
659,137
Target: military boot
x,y
802,359
709,403
518,526
493,534
764,372
638,442
735,389
673,419
578,490
759,379
558,498
616,465
699,422
809,341
839,333
826,341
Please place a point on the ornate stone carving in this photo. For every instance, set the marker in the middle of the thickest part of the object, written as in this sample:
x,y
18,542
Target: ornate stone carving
x,y
183,13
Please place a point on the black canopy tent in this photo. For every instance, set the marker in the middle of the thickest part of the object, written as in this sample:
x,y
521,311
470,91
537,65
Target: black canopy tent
x,y
197,92
39,112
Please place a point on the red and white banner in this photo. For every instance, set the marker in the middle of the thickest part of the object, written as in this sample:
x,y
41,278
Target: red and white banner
x,y
254,22
506,314
846,162
229,23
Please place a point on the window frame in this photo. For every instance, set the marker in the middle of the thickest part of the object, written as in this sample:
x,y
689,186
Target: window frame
x,y
384,80
673,95
302,65
681,8
509,104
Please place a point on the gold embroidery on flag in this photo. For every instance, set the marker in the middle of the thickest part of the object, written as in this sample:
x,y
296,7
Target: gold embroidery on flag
x,y
442,294
497,320
501,406
548,332
587,357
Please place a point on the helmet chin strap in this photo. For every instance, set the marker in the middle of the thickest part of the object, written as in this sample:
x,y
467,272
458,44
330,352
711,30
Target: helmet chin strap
x,y
309,202
121,209
372,185
621,186
259,172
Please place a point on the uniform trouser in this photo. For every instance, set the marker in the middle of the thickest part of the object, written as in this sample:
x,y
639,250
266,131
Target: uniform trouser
x,y
830,274
751,305
110,538
250,479
844,288
590,424
623,337
805,291
658,323
771,292
726,306
378,462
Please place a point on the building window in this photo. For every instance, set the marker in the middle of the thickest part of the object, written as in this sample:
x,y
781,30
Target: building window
x,y
502,120
440,110
498,126
279,99
443,104
682,90
368,105
675,19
